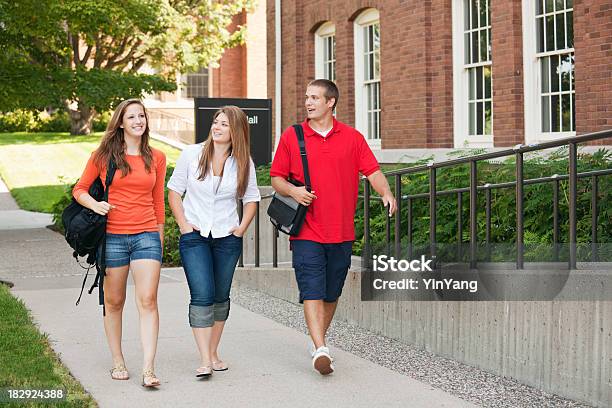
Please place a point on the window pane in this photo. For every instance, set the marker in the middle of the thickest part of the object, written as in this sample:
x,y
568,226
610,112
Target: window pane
x,y
483,13
559,5
475,46
488,116
540,34
566,71
570,29
370,38
549,6
467,49
472,82
479,118
539,7
550,33
474,14
554,73
560,31
546,114
573,113
489,45
466,14
570,3
545,74
565,108
554,112
471,119
487,76
479,83
483,45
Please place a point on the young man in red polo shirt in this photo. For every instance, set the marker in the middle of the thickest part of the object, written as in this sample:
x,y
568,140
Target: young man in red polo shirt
x,y
336,153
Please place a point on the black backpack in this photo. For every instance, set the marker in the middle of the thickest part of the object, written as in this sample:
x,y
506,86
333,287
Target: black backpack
x,y
85,231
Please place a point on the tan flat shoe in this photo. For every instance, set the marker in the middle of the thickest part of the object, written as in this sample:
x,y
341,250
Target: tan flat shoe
x,y
149,379
119,372
204,371
219,366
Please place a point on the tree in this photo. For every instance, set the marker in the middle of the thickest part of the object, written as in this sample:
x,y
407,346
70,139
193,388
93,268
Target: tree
x,y
87,55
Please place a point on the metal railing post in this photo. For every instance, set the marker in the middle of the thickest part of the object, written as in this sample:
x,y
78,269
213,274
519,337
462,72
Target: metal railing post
x,y
473,212
573,195
519,210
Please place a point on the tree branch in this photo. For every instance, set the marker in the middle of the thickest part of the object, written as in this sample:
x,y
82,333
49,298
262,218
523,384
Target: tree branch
x,y
125,60
112,59
87,55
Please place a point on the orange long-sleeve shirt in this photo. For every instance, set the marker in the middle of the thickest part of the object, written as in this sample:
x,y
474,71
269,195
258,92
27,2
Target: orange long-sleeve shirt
x,y
138,197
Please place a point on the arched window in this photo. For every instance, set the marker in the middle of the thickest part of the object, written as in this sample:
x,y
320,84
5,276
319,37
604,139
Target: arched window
x,y
367,74
325,52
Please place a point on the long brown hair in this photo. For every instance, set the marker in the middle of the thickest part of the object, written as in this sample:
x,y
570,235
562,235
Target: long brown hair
x,y
113,142
239,146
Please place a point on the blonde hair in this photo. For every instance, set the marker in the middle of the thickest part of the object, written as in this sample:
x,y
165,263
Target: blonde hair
x,y
239,146
113,142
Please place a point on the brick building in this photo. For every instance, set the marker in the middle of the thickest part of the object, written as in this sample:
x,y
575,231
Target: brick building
x,y
448,74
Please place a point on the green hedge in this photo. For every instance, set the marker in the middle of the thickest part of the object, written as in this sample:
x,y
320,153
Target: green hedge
x,y
28,121
538,204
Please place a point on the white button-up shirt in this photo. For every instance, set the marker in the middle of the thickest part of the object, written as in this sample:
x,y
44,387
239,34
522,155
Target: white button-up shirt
x,y
212,212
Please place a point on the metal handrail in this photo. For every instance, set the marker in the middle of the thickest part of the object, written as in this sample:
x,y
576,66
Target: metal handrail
x,y
519,184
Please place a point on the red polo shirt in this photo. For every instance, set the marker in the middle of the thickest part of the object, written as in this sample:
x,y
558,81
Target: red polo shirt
x,y
334,163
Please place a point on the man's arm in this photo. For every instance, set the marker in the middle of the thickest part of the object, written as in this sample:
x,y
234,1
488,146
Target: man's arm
x,y
299,194
380,184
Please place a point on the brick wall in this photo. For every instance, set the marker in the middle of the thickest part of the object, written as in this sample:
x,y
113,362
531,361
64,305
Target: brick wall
x,y
507,74
593,45
229,80
416,66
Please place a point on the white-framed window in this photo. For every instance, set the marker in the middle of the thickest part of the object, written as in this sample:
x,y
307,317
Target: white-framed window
x,y
367,75
195,84
472,67
325,52
550,108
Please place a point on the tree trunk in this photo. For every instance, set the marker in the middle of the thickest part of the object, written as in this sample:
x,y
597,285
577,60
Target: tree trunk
x,y
81,119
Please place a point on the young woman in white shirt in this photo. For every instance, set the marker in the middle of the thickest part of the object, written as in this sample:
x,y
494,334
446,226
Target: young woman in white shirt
x,y
213,175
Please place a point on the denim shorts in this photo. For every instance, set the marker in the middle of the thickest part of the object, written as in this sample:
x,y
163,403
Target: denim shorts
x,y
121,249
320,269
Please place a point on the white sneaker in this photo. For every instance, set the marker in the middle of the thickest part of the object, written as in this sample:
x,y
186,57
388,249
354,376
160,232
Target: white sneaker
x,y
322,361
311,349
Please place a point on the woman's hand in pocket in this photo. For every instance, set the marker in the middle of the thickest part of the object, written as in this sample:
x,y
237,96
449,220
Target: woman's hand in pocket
x,y
187,228
237,232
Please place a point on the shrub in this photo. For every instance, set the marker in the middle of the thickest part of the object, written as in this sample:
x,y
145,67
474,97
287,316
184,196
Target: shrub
x,y
100,121
17,121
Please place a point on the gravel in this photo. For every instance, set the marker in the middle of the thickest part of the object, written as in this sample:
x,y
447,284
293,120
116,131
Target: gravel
x,y
464,381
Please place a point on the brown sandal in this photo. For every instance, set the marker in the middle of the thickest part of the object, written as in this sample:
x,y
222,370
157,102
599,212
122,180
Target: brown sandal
x,y
149,379
119,372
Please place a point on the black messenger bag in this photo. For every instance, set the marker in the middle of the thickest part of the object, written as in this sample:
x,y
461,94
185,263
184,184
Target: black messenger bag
x,y
286,214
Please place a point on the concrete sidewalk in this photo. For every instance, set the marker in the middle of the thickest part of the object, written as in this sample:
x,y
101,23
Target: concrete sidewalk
x,y
269,365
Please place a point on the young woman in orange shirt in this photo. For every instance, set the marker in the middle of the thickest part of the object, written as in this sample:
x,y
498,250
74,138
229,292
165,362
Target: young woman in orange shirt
x,y
135,227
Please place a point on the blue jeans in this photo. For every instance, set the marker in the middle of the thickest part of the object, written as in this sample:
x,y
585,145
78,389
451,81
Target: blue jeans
x,y
121,249
209,265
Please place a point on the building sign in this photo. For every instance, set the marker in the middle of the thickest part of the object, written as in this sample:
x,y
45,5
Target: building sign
x,y
259,113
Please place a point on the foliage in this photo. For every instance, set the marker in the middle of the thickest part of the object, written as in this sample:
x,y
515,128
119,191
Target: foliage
x,y
538,202
27,121
88,54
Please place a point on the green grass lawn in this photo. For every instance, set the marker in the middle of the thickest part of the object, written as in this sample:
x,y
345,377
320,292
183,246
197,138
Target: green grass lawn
x,y
26,359
36,167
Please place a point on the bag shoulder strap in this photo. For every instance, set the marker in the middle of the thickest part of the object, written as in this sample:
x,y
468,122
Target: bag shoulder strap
x,y
299,131
110,174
